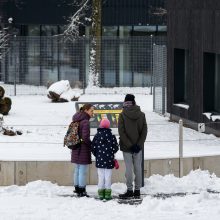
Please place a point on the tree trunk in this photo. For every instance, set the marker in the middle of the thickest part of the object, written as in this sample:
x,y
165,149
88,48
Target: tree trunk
x,y
95,50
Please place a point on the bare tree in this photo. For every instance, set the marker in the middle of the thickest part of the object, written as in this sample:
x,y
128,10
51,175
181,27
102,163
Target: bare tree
x,y
95,52
81,18
159,11
78,18
4,37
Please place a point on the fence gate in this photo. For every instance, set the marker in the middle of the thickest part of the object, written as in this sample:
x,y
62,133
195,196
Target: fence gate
x,y
159,78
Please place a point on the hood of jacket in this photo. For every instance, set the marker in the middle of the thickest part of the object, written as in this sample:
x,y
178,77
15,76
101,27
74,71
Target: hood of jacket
x,y
106,130
79,116
132,112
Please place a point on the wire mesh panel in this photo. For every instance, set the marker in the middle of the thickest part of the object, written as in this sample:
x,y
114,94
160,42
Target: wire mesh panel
x,y
40,61
159,78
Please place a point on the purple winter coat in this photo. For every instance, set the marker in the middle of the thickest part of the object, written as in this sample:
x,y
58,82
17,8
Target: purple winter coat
x,y
83,154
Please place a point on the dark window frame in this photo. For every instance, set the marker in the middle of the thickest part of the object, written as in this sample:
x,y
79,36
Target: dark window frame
x,y
181,76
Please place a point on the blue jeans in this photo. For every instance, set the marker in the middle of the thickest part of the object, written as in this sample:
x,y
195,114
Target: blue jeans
x,y
80,175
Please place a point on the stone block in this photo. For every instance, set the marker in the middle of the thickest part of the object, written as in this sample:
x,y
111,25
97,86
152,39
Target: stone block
x,y
7,171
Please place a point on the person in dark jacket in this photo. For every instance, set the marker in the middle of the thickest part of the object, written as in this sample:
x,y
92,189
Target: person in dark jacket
x,y
81,157
104,146
132,128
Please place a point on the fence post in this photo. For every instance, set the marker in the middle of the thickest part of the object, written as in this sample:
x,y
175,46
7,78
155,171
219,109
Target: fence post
x,y
151,62
1,122
180,148
164,80
142,165
15,64
154,80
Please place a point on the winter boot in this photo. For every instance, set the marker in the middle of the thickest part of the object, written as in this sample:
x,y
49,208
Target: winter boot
x,y
108,194
76,190
82,192
128,195
101,193
137,194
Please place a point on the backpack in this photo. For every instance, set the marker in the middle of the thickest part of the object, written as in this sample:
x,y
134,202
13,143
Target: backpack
x,y
72,139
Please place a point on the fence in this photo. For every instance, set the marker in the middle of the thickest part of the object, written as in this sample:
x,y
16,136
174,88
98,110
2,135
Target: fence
x,y
159,78
39,61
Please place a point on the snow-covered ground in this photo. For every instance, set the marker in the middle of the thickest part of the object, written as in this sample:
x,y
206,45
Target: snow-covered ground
x,y
44,124
42,200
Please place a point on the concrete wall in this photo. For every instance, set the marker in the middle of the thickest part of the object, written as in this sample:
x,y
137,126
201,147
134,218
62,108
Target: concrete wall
x,y
22,172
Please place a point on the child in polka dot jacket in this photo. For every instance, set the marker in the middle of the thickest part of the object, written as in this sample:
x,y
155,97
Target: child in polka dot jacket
x,y
104,146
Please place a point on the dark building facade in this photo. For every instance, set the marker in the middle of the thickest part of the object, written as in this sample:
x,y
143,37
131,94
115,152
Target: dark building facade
x,y
194,61
40,55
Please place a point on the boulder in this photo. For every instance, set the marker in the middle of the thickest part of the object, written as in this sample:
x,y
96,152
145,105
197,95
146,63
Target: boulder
x,y
62,92
5,105
2,92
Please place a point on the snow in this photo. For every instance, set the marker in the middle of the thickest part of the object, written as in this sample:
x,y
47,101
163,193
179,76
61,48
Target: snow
x,y
215,117
208,115
44,125
59,87
211,116
41,200
69,94
182,105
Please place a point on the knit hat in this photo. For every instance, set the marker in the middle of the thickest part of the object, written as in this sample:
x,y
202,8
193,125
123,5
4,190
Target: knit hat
x,y
129,97
105,123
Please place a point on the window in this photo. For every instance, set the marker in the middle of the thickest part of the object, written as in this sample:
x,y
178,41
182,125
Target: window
x,y
110,31
144,30
162,28
211,82
125,31
181,75
34,30
217,84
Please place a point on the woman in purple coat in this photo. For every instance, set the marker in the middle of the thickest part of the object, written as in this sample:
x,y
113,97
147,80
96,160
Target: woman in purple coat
x,y
82,156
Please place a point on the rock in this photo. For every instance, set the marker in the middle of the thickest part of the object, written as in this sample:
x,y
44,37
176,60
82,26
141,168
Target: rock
x,y
5,105
75,98
54,96
62,92
9,132
2,92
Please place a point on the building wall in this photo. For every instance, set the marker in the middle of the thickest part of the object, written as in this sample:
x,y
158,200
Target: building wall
x,y
194,27
114,12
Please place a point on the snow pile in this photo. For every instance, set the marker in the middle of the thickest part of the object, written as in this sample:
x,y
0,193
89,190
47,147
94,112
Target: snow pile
x,y
44,200
195,182
211,116
70,95
59,87
39,188
62,92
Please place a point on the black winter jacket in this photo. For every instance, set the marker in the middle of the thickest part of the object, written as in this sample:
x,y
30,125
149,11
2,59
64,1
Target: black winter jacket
x,y
132,128
104,146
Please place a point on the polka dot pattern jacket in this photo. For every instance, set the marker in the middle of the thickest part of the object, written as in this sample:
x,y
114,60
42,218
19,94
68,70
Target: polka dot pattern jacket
x,y
104,146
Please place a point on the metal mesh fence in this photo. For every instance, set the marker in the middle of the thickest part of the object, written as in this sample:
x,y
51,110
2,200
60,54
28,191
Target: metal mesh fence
x,y
40,61
159,78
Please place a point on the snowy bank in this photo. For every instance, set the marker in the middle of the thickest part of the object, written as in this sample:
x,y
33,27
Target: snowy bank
x,y
41,200
44,125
